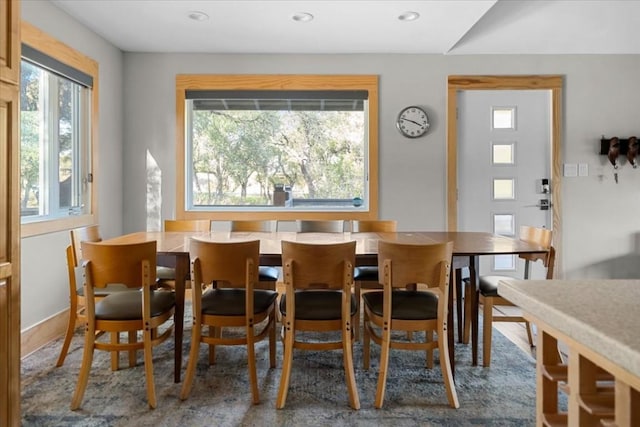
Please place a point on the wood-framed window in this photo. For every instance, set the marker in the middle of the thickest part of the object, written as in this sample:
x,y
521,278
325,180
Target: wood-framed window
x,y
59,128
277,146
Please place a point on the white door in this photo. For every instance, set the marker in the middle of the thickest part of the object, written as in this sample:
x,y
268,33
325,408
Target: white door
x,y
504,165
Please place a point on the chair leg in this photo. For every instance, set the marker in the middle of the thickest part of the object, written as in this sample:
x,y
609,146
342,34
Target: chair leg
x,y
384,366
214,332
148,368
287,361
71,328
253,376
115,355
457,277
196,333
428,337
528,326
445,366
133,337
356,319
487,329
347,355
85,367
272,339
366,342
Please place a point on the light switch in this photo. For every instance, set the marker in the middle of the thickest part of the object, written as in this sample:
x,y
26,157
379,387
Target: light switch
x,y
583,169
570,169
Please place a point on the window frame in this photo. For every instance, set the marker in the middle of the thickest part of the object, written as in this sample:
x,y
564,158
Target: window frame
x,y
275,82
43,42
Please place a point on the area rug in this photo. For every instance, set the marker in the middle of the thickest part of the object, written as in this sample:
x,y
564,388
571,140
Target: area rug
x,y
502,395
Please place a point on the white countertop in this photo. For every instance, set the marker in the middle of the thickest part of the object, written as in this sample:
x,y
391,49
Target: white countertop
x,y
601,315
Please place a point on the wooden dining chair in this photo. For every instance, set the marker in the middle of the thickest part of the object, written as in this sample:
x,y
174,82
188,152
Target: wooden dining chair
x,y
132,265
401,307
267,275
322,226
488,287
230,272
366,277
76,292
318,280
166,274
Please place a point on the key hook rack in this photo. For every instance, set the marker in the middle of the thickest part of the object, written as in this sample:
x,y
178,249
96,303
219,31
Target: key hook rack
x,y
614,147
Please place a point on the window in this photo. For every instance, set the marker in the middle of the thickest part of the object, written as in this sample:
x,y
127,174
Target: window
x,y
57,103
503,118
504,189
277,146
503,153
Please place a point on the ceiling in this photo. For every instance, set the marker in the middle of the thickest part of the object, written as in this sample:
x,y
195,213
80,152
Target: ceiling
x,y
451,27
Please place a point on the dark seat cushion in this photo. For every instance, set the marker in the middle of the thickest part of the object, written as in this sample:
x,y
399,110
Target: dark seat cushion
x,y
366,274
489,285
267,274
318,305
231,301
128,305
165,273
103,292
405,305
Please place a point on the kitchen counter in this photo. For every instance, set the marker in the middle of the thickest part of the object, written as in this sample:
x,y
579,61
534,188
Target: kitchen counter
x,y
599,321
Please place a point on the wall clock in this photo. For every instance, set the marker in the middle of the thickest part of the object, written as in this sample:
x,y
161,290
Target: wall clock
x,y
412,122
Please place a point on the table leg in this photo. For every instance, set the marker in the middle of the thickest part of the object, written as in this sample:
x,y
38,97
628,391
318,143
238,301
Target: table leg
x,y
474,295
182,268
459,293
450,333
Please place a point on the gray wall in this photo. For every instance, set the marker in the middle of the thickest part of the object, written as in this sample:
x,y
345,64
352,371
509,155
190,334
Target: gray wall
x,y
44,278
600,98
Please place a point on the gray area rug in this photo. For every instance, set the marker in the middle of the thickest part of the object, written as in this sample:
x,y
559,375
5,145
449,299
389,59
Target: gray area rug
x,y
502,395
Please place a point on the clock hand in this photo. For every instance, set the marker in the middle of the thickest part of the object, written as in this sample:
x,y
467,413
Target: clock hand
x,y
412,121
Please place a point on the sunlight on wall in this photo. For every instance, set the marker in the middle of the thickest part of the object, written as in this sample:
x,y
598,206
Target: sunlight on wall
x,y
154,194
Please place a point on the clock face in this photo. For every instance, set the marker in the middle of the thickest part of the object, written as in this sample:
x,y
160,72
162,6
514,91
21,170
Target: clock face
x,y
412,122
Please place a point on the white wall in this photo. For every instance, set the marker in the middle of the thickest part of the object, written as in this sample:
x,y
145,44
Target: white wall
x,y
43,277
600,217
600,222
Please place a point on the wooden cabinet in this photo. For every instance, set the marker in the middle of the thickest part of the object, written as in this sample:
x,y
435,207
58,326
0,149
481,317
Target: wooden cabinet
x,y
10,45
9,214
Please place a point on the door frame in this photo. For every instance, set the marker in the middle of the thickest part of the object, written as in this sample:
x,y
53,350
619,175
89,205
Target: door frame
x,y
552,83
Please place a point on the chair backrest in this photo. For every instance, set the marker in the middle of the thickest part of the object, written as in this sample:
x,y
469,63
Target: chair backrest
x,y
90,233
321,226
541,237
226,264
410,264
538,236
382,226
187,225
252,225
318,266
132,264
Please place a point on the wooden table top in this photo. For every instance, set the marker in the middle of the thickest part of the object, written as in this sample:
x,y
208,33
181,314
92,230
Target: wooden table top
x,y
464,243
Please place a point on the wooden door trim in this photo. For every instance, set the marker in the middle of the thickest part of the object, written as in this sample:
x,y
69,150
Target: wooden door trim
x,y
552,83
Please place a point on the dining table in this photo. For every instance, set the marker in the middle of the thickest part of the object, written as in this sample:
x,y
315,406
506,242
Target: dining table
x,y
468,246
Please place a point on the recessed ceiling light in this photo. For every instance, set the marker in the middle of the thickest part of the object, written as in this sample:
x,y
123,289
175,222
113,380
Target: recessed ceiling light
x,y
409,16
302,17
198,16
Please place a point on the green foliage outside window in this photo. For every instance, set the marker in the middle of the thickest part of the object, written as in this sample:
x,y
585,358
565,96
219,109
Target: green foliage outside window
x,y
239,156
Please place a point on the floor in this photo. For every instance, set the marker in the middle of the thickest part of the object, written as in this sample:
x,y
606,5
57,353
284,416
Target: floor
x,y
514,331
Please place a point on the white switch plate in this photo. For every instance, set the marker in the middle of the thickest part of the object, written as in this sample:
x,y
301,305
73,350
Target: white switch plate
x,y
570,169
583,169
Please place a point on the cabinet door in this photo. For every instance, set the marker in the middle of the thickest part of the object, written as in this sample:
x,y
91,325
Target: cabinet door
x,y
10,44
9,257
